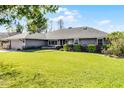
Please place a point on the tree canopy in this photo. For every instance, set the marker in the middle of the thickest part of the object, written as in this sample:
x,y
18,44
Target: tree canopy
x,y
34,14
116,46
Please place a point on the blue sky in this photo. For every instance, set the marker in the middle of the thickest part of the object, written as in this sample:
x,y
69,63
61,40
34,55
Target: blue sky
x,y
106,18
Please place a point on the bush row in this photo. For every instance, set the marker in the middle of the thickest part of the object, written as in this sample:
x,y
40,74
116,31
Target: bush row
x,y
78,48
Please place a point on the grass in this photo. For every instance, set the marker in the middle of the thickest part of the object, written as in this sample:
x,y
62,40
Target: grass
x,y
60,69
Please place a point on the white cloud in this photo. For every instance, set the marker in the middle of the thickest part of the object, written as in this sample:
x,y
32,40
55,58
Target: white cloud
x,y
67,15
62,9
66,11
70,17
104,22
71,12
65,18
117,28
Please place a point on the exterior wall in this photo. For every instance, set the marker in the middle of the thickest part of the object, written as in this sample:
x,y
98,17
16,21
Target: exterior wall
x,y
35,43
70,41
17,44
85,42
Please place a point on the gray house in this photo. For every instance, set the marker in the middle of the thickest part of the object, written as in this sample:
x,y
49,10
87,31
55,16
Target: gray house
x,y
79,35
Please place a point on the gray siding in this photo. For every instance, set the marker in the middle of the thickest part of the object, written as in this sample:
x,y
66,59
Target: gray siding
x,y
17,44
85,42
35,43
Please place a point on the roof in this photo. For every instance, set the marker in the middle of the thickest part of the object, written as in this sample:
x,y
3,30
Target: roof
x,y
79,32
70,33
26,35
7,34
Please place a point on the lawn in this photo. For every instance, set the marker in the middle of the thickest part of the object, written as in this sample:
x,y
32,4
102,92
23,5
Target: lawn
x,y
60,69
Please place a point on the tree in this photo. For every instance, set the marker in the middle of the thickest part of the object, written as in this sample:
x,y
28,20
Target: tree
x,y
60,24
34,15
19,28
116,46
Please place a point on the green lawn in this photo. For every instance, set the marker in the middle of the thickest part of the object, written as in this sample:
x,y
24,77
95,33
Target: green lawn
x,y
60,69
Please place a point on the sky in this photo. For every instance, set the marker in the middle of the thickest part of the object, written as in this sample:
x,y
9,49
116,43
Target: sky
x,y
106,18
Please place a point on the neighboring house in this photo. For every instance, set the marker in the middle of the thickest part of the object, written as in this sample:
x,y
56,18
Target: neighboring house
x,y
79,35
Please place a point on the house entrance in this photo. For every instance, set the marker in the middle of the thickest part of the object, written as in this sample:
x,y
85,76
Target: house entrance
x,y
100,41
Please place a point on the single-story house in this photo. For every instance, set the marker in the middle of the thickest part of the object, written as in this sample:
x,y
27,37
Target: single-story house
x,y
79,35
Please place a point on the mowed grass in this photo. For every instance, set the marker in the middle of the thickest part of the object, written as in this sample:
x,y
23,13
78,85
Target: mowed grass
x,y
50,68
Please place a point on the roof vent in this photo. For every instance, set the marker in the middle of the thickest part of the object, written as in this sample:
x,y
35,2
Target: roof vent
x,y
70,28
84,28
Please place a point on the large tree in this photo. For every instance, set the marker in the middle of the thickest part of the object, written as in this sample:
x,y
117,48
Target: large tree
x,y
116,46
35,15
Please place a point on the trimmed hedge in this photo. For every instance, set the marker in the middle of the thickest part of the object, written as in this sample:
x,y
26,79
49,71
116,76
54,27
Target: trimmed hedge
x,y
77,48
66,47
91,48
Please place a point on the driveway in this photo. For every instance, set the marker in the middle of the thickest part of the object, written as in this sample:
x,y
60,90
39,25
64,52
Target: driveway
x,y
7,51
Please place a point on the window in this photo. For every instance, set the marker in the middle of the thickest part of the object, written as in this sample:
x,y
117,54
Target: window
x,y
76,41
52,42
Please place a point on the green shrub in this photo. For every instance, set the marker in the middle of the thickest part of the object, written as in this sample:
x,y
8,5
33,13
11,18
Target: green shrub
x,y
84,49
91,48
116,46
77,47
66,47
105,47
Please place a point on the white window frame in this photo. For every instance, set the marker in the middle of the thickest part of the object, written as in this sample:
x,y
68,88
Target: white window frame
x,y
76,39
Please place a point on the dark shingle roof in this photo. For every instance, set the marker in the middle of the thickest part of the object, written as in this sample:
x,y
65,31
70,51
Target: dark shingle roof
x,y
79,32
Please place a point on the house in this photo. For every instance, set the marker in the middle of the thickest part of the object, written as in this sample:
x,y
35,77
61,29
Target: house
x,y
78,35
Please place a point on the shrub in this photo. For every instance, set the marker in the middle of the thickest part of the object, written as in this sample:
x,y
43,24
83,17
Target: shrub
x,y
58,47
91,48
116,46
84,49
66,47
105,47
98,48
71,47
77,47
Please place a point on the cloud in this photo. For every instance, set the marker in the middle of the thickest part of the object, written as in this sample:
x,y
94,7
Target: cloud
x,y
71,12
117,28
67,15
62,9
104,22
65,18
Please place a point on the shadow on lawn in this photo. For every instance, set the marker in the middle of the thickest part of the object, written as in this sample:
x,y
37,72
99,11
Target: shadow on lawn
x,y
39,50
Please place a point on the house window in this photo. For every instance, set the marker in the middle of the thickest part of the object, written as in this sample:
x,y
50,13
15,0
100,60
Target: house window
x,y
76,41
52,42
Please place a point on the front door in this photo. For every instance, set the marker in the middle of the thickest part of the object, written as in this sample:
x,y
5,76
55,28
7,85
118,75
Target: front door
x,y
100,42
